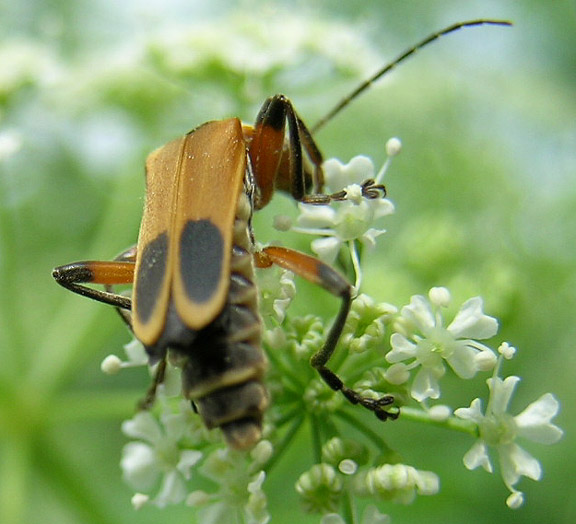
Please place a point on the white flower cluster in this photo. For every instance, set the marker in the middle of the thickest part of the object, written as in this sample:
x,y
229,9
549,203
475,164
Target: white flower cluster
x,y
422,341
172,448
425,344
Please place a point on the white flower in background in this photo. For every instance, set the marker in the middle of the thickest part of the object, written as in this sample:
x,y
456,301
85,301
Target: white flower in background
x,y
428,344
156,461
499,429
252,49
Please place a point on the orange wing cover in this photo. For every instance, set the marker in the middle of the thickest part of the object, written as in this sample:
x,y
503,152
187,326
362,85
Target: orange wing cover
x,y
185,243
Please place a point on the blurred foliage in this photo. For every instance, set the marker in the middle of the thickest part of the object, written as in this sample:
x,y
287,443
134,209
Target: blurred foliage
x,y
485,196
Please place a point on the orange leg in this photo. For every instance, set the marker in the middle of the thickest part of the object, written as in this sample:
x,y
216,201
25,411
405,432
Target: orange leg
x,y
323,275
118,271
292,164
278,161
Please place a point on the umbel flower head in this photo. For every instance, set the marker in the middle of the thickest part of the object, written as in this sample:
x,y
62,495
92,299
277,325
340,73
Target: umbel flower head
x,y
175,459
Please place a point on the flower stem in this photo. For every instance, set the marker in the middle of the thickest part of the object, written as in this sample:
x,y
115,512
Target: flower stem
x,y
452,423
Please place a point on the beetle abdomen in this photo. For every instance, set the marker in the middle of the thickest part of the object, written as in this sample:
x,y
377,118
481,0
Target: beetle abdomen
x,y
223,364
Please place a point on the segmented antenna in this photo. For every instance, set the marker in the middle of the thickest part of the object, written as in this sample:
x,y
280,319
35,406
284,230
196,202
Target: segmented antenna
x,y
379,74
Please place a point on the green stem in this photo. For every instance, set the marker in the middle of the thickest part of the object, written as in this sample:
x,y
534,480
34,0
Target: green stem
x,y
281,447
316,439
452,423
348,512
365,430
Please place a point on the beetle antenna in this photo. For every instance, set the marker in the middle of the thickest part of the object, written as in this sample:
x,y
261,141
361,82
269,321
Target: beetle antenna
x,y
400,58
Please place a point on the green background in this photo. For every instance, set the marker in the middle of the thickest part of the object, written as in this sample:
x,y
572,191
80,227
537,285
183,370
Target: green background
x,y
486,204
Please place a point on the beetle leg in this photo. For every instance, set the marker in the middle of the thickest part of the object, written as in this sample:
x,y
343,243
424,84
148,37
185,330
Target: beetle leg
x,y
148,401
284,163
118,271
266,146
323,275
128,255
72,276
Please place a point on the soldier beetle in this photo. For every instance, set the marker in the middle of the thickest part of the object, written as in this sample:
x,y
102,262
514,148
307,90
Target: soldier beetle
x,y
194,299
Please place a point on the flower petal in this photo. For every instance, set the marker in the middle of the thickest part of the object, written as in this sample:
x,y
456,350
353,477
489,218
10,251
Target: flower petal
x,y
419,313
534,422
381,207
402,349
477,455
425,385
312,216
188,459
139,466
471,322
516,462
474,412
326,248
462,360
173,490
501,392
339,175
369,237
143,426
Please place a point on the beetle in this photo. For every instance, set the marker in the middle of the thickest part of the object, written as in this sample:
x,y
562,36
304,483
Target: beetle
x,y
194,300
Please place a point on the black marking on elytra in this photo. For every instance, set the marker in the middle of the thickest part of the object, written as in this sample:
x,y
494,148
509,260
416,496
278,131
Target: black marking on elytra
x,y
150,276
201,259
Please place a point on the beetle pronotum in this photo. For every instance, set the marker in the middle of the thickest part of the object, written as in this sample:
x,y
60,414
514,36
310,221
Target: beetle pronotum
x,y
194,300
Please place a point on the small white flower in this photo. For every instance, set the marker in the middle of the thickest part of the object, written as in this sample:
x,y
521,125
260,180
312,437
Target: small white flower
x,y
239,493
499,429
428,343
137,357
277,289
348,220
156,458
